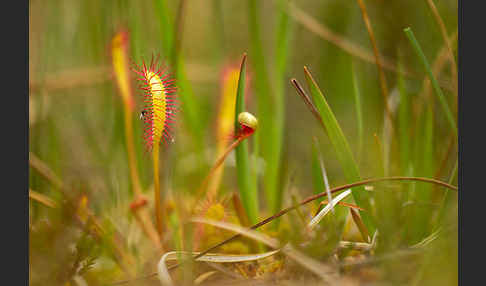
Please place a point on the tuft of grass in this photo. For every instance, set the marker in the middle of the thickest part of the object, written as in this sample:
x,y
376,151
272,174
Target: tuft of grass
x,y
343,152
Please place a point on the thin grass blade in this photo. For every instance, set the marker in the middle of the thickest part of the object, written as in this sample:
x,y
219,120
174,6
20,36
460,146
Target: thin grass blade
x,y
343,152
359,112
318,180
315,220
248,192
404,119
445,106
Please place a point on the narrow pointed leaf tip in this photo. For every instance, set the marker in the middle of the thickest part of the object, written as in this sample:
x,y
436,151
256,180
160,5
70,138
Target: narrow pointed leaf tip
x,y
160,103
120,62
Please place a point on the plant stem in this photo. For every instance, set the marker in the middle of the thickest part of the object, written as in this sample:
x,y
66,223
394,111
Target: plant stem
x,y
218,164
447,42
435,84
379,64
140,213
132,161
43,199
158,210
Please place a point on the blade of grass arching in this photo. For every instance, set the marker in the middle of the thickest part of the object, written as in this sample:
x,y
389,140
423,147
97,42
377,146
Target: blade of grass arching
x,y
344,154
249,196
359,112
435,84
268,111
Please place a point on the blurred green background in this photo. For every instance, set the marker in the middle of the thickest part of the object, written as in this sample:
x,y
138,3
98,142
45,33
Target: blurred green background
x,y
76,114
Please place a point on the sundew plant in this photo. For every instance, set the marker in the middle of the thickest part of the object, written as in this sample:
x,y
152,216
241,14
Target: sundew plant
x,y
243,142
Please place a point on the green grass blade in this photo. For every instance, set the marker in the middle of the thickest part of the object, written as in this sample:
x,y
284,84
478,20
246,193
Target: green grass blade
x,y
165,25
317,178
269,111
190,105
359,112
248,193
423,193
404,119
435,84
343,152
273,177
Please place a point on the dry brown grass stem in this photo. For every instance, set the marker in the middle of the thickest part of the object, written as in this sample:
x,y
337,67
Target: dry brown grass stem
x,y
84,77
143,218
438,65
45,171
72,78
378,60
349,46
443,162
216,165
338,40
307,101
447,42
359,223
140,211
43,199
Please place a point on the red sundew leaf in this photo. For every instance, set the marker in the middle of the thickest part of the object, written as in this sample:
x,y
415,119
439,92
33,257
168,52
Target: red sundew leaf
x,y
160,102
